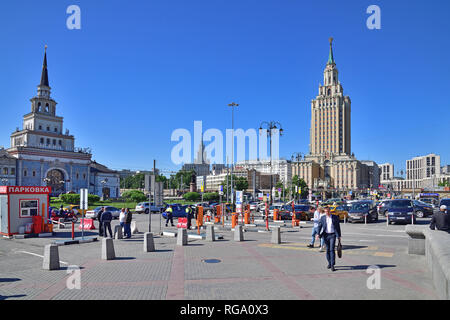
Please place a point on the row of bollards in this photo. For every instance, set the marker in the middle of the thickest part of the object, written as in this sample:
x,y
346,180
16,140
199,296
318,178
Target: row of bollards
x,y
51,253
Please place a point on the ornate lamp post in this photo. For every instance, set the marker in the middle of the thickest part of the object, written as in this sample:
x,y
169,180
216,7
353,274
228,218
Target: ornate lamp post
x,y
103,182
269,127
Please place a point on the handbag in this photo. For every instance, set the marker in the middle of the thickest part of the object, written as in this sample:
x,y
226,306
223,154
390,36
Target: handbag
x,y
339,249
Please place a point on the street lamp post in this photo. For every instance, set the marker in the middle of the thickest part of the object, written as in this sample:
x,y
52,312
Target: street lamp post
x,y
232,105
296,156
103,182
269,126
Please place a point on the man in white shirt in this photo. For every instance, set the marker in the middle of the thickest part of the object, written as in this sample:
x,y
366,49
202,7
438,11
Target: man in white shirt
x,y
122,218
329,229
315,231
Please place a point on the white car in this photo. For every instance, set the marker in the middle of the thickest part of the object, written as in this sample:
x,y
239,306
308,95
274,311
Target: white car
x,y
92,214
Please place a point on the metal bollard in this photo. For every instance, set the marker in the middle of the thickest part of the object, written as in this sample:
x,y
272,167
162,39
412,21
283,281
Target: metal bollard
x,y
365,219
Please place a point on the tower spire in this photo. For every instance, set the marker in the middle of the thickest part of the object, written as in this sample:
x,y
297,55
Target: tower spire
x,y
44,75
330,57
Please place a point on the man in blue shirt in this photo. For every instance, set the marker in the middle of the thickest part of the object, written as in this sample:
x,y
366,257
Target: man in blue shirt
x,y
106,219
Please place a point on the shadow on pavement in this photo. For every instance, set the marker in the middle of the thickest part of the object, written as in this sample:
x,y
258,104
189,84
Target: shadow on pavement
x,y
364,267
9,279
15,296
125,258
351,247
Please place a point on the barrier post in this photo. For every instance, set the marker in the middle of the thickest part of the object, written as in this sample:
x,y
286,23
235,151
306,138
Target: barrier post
x,y
267,216
73,230
365,219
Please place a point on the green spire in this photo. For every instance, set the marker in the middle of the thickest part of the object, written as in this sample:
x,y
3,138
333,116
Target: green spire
x,y
331,58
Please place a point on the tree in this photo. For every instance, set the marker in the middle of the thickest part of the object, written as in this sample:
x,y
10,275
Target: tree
x,y
239,184
300,183
181,180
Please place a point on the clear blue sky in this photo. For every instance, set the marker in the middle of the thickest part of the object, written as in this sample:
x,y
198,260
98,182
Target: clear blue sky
x,y
137,70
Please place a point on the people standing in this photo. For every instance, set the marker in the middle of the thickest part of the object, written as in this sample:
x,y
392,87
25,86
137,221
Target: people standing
x,y
122,218
441,220
169,215
189,215
106,221
100,224
128,219
330,229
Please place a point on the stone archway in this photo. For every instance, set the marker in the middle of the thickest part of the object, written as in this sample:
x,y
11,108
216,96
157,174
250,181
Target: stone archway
x,y
56,180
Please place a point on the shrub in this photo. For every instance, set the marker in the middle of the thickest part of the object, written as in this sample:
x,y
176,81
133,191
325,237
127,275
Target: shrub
x,y
211,196
134,196
191,196
75,198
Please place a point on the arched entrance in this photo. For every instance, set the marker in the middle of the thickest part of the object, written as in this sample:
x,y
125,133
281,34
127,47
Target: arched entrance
x,y
56,181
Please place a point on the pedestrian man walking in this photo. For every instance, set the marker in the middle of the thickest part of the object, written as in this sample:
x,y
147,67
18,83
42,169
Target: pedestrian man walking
x,y
329,229
441,220
106,221
169,215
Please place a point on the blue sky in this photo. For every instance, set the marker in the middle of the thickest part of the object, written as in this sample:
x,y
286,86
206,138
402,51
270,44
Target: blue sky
x,y
137,70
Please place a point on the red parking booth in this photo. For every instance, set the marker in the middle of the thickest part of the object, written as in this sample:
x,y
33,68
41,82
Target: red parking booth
x,y
23,207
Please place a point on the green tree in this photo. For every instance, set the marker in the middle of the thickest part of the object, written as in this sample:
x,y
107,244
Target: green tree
x,y
181,180
300,183
239,184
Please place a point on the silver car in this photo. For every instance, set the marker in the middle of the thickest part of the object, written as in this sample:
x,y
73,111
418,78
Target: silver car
x,y
93,214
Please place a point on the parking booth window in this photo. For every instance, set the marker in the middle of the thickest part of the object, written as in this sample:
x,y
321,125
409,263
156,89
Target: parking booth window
x,y
29,208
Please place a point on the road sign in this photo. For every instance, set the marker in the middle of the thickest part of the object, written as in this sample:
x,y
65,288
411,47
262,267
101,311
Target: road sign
x,y
149,184
221,190
159,193
83,199
239,197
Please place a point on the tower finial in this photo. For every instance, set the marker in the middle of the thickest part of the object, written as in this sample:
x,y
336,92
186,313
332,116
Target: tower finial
x,y
44,75
330,57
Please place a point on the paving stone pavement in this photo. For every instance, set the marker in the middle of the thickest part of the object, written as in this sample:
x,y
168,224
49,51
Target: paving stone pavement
x,y
253,269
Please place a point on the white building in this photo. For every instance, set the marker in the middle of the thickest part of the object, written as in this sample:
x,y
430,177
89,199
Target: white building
x,y
281,167
423,171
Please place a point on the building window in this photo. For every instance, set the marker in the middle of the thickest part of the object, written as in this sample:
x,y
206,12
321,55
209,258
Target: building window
x,y
42,140
78,175
60,142
56,129
34,173
40,127
48,141
13,171
25,173
54,142
5,171
29,208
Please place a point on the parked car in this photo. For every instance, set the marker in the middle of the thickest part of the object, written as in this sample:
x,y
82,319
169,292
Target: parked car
x,y
422,209
253,206
144,207
341,211
383,206
178,211
302,211
359,210
401,210
92,214
76,208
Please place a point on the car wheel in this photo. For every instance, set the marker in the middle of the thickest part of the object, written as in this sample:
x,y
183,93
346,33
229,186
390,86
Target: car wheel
x,y
419,214
146,211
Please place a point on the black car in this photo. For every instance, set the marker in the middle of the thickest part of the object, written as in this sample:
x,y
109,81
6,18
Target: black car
x,y
401,210
362,209
383,207
422,209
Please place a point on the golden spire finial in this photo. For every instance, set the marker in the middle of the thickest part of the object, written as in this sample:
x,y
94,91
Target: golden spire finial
x,y
45,47
331,40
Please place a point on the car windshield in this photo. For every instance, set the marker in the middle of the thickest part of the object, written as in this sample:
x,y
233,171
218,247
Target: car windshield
x,y
401,204
360,206
301,208
445,202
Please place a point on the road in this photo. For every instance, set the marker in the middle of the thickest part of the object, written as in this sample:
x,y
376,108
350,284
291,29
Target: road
x,y
252,269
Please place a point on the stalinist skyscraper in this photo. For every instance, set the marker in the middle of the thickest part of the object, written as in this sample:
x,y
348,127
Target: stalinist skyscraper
x,y
330,165
330,115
